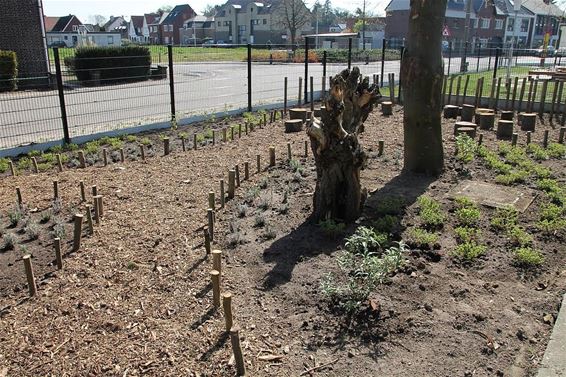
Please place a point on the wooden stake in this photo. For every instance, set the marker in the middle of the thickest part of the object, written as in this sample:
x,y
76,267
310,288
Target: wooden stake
x,y
12,170
246,171
553,103
58,257
89,219
522,95
449,89
82,187
19,195
100,206
529,133
258,162
300,91
237,350
29,274
105,156
211,200
195,142
232,133
561,135
545,140
284,96
231,183
271,156
96,210
381,144
515,84
458,83
59,162
215,277
312,93
222,194
35,167
217,261
306,148
122,158
77,235
94,190
210,217
82,161
224,136
237,170
498,91
508,95
183,144
246,127
55,189
264,121
239,131
142,151
514,138
289,155
480,139
213,137
227,305
206,241
542,98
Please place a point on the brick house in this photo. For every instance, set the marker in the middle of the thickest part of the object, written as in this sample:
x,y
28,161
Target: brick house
x,y
196,30
22,31
488,28
173,22
153,21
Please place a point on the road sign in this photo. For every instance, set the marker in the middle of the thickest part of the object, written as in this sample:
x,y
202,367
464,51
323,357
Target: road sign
x,y
446,32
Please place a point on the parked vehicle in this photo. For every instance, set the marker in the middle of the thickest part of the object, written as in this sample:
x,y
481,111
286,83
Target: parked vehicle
x,y
550,51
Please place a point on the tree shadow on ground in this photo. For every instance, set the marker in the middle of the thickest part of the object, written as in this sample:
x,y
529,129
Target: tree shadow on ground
x,y
308,240
216,346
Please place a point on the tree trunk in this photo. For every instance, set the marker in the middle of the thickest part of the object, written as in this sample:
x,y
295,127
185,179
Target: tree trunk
x,y
334,141
422,70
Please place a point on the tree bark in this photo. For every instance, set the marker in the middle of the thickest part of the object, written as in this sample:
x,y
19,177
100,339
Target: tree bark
x,y
339,157
422,71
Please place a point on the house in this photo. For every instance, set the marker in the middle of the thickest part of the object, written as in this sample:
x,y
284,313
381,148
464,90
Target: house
x,y
174,21
196,30
138,30
22,31
117,24
84,38
488,27
374,30
153,20
255,22
547,21
519,24
62,24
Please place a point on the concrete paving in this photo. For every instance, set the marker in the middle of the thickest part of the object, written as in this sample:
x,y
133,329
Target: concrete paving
x,y
554,360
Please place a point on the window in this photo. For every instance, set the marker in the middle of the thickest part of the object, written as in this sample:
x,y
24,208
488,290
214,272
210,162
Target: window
x,y
219,23
498,24
75,27
475,23
524,25
265,21
485,23
110,40
255,22
242,28
226,23
166,40
251,9
510,24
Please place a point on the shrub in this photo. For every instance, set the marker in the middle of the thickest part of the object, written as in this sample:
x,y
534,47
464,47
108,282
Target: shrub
x,y
8,70
466,147
468,216
505,218
430,212
115,64
365,240
469,250
422,237
8,241
556,150
33,230
466,234
527,256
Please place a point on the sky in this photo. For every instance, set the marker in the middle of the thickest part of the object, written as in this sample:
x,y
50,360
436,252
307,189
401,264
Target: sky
x,y
83,9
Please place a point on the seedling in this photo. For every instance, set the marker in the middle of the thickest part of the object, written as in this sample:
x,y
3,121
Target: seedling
x,y
33,230
8,241
366,240
469,250
242,210
15,215
422,237
467,234
518,236
430,212
259,221
466,147
528,257
504,218
4,165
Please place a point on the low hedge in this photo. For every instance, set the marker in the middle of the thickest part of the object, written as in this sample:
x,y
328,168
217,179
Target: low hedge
x,y
113,64
341,55
8,70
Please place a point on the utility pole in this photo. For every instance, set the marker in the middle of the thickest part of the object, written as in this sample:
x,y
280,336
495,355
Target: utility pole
x,y
466,34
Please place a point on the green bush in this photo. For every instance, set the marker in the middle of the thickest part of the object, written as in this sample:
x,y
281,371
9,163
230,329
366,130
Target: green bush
x,y
115,64
8,70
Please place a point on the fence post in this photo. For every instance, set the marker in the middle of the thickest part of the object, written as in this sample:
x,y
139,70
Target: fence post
x,y
399,95
249,77
449,57
478,50
349,53
489,60
306,97
495,66
59,77
171,82
270,55
384,42
324,63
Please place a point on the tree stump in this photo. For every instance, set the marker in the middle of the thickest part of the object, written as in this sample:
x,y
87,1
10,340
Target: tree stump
x,y
338,155
507,115
504,129
450,112
298,114
482,110
527,121
467,112
293,125
470,131
463,124
387,108
486,120
317,112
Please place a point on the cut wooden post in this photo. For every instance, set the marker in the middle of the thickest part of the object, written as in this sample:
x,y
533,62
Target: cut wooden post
x,y
237,170
166,146
381,144
239,131
298,113
480,139
59,162
232,133
463,124
210,218
306,148
58,257
522,95
542,98
468,112
215,277
94,190
293,125
78,232
206,241
529,96
508,87
32,288
246,127
323,91
105,156
183,144
142,151
89,219
100,206
19,196
224,135
213,137
237,350
465,89
458,83
271,156
300,91
246,171
96,209
289,156
507,115
498,91
82,188
504,129
545,139
450,112
222,194
55,189
480,93
561,135
13,171
553,103
387,108
122,158
492,100
559,99
195,141
264,124
227,305
486,120
533,99
231,183
514,138
35,167
392,87
82,161
528,121
258,163
529,135
312,93
450,90
217,260
211,200
515,84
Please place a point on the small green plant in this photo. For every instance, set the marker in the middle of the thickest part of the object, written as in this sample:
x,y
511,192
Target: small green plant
x,y
504,218
44,166
269,233
34,153
263,183
296,166
527,256
538,153
71,147
33,230
56,206
208,132
366,240
386,224
46,216
113,142
4,165
283,208
251,194
24,163
91,147
200,138
145,141
15,215
466,147
551,226
518,236
430,212
56,149
9,241
469,250
517,176
556,150
130,138
48,158
242,210
259,220
331,227
468,215
183,135
264,204
132,266
467,234
422,237
59,231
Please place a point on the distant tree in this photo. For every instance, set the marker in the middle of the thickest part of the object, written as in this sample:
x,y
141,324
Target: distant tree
x,y
97,19
341,14
164,8
210,10
292,15
327,15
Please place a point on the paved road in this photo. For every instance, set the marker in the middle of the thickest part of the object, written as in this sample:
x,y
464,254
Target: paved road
x,y
200,89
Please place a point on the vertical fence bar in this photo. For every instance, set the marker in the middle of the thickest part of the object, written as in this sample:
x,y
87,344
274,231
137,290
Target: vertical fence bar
x,y
306,70
400,95
349,53
449,57
249,77
285,96
478,50
497,52
324,63
171,81
382,61
61,96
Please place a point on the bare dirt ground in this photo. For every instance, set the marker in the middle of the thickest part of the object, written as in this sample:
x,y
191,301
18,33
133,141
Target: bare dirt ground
x,y
136,299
